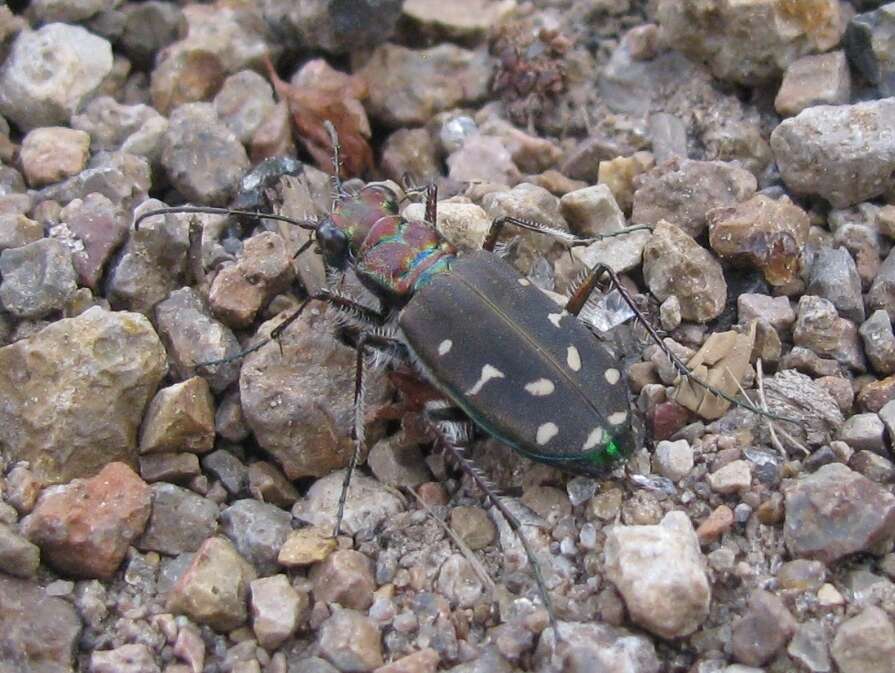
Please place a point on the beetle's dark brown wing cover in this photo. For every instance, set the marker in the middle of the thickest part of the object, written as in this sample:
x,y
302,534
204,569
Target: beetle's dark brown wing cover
x,y
521,367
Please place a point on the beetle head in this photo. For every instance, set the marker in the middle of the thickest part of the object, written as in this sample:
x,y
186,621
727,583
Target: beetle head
x,y
333,243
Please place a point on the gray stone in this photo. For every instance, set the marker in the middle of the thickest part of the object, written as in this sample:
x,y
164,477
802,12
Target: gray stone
x,y
870,45
809,647
17,230
454,77
49,72
180,520
191,337
38,278
130,658
593,647
682,191
202,157
350,641
148,27
243,103
763,630
224,466
820,329
865,643
835,277
459,582
887,415
18,556
258,530
835,512
121,177
733,477
111,123
777,311
882,292
368,504
779,34
651,564
335,26
673,459
863,432
410,151
674,264
99,370
873,466
276,608
845,153
39,632
153,263
398,462
818,79
879,342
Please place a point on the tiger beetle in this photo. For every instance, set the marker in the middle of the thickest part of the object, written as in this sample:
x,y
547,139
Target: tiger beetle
x,y
525,370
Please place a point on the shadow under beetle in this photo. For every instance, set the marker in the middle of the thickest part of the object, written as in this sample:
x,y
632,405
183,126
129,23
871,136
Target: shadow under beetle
x,y
522,368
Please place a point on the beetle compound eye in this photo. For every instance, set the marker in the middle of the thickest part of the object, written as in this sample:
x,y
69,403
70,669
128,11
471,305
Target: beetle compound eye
x,y
334,244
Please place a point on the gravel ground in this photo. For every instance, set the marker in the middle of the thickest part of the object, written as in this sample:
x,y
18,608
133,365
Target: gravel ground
x,y
159,517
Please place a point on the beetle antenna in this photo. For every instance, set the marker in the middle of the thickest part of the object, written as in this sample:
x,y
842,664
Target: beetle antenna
x,y
456,452
209,210
336,160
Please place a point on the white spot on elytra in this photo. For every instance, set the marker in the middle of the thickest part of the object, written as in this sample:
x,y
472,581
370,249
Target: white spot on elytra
x,y
573,359
618,417
445,347
612,376
546,432
595,438
540,388
488,373
554,318
524,282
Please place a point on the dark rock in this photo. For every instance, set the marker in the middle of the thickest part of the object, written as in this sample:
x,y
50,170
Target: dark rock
x,y
180,520
764,629
193,337
98,228
203,158
228,469
835,512
258,530
39,632
835,277
871,49
38,278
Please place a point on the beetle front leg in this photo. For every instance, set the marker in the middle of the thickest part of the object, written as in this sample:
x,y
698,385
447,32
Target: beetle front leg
x,y
366,339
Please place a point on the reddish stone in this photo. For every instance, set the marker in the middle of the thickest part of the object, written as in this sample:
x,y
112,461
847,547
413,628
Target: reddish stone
x,y
432,494
874,396
666,419
84,528
719,522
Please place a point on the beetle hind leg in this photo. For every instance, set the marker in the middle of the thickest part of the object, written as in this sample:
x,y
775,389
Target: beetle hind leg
x,y
449,447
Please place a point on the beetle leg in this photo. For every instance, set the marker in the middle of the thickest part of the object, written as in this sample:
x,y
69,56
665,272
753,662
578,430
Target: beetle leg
x,y
579,298
431,203
360,385
571,240
444,444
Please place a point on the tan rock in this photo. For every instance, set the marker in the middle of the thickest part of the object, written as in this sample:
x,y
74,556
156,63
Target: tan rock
x,y
180,418
53,153
214,588
306,546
